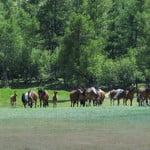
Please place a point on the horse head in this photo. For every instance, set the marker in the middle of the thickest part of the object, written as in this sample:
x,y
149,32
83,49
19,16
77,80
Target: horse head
x,y
15,93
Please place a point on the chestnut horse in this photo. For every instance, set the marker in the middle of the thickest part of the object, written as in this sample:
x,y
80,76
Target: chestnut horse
x,y
143,95
129,95
116,95
43,96
101,97
74,97
13,99
55,98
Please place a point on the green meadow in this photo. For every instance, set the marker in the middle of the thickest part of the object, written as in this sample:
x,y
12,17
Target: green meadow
x,y
63,97
66,128
5,94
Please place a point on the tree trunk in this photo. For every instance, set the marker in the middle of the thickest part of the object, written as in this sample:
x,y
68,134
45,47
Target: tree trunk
x,y
5,79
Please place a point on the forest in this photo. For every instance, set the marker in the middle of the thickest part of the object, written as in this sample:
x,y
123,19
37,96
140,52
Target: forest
x,y
75,42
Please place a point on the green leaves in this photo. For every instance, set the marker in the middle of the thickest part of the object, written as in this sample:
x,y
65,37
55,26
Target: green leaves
x,y
90,42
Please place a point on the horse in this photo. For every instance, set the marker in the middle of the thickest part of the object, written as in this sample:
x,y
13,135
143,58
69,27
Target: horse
x,y
143,95
129,94
29,98
91,94
116,95
82,97
101,97
13,99
55,98
74,97
43,96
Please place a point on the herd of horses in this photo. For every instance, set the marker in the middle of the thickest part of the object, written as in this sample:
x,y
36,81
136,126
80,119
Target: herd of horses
x,y
29,98
85,97
97,96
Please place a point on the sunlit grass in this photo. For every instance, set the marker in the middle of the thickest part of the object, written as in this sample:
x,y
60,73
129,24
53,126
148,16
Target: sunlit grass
x,y
5,94
63,98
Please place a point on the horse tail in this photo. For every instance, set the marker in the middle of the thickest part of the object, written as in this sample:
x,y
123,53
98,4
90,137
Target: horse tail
x,y
23,97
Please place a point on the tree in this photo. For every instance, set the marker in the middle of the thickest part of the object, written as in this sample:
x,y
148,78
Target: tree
x,y
52,16
80,47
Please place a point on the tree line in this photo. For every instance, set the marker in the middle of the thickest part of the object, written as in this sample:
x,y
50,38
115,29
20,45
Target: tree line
x,y
80,42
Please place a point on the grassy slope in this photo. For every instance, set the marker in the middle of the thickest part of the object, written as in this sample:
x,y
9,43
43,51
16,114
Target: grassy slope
x,y
69,128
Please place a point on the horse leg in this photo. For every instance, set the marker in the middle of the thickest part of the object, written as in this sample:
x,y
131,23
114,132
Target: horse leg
x,y
146,101
47,103
24,105
123,101
94,102
44,104
111,101
31,104
40,103
35,103
131,101
71,103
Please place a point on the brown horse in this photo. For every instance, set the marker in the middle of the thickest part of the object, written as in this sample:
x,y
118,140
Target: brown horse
x,y
55,98
29,98
91,95
143,95
101,97
129,95
74,97
33,96
82,97
115,95
13,99
43,96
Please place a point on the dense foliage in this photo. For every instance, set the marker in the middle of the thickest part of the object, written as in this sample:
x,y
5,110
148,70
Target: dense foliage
x,y
80,43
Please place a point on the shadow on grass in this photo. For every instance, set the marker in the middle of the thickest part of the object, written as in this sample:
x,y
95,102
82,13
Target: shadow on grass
x,y
59,101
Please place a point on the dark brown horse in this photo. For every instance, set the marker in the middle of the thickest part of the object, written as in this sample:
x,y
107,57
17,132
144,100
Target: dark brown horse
x,y
143,95
116,95
55,98
129,95
74,97
43,96
13,99
82,97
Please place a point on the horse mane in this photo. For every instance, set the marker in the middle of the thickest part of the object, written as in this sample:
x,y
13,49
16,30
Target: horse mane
x,y
42,91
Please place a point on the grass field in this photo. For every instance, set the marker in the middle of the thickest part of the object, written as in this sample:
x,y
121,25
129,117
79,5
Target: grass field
x,y
63,98
5,94
65,128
